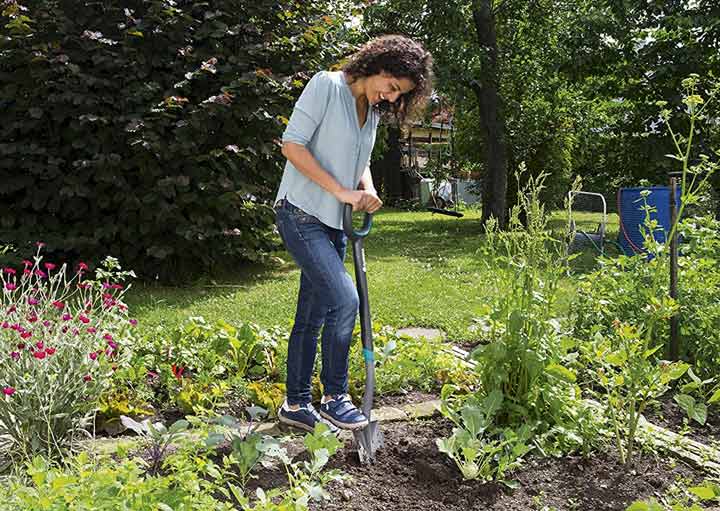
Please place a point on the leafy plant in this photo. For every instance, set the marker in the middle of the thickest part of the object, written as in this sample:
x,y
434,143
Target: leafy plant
x,y
97,165
524,359
61,337
705,493
105,485
475,447
159,437
630,377
706,391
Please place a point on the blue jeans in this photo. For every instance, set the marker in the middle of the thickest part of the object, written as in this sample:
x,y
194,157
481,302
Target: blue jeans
x,y
327,299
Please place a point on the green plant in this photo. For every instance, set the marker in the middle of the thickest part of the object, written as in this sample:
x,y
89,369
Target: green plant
x,y
630,377
636,290
107,485
98,164
524,359
159,437
706,391
476,447
705,493
248,448
61,337
403,363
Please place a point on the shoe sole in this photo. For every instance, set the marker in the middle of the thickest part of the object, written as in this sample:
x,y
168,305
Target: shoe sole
x,y
284,421
296,424
342,425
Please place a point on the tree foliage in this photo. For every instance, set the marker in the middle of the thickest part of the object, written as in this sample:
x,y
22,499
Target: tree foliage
x,y
146,129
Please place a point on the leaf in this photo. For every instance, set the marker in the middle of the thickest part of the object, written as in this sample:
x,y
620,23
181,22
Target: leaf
x,y
685,402
703,492
715,397
178,426
644,506
700,413
561,372
140,429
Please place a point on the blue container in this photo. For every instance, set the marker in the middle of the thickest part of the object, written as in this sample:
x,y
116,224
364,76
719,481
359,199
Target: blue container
x,y
632,215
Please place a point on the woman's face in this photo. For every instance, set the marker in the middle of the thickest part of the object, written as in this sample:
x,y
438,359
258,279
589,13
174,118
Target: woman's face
x,y
386,87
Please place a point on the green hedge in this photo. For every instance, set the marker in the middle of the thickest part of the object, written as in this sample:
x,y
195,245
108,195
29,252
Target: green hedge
x,y
145,129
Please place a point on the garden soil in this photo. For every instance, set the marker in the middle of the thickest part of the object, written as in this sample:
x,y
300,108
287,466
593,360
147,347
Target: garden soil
x,y
411,474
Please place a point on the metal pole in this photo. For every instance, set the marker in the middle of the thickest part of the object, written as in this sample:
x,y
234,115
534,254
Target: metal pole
x,y
674,319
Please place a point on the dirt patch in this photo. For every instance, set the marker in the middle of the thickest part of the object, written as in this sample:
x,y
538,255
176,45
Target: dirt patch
x,y
411,474
670,416
410,398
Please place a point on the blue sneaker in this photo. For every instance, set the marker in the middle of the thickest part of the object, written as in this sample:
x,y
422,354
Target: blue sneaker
x,y
304,418
343,413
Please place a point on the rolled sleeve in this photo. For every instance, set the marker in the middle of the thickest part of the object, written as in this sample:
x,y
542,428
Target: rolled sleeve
x,y
309,110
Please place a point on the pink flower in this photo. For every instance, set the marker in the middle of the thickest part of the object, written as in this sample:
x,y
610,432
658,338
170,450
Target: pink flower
x,y
92,330
107,296
58,305
66,317
109,352
50,351
6,324
27,263
9,271
112,344
133,322
83,286
39,345
116,286
16,326
11,309
8,391
15,355
39,355
27,272
122,307
33,301
84,319
82,266
50,266
47,323
108,337
40,273
21,346
39,244
10,286
32,319
93,356
106,285
87,378
26,335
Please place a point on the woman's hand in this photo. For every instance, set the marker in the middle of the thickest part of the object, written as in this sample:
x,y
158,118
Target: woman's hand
x,y
361,200
371,201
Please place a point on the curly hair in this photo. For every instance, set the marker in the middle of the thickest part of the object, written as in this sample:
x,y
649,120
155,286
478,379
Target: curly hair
x,y
400,57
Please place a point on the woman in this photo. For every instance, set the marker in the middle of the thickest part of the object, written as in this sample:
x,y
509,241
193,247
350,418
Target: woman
x,y
327,143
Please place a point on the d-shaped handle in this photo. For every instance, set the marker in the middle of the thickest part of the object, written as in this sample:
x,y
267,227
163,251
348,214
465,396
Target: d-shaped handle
x,y
348,224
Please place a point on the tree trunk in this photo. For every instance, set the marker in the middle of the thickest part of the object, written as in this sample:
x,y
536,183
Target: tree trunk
x,y
386,171
494,200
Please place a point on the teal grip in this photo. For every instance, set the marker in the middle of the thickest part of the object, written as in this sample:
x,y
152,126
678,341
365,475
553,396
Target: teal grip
x,y
369,355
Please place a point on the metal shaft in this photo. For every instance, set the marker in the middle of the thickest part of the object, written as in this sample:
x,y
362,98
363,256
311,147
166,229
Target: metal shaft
x,y
365,326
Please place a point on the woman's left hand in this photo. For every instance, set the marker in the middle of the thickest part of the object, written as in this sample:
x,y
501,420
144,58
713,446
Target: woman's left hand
x,y
370,201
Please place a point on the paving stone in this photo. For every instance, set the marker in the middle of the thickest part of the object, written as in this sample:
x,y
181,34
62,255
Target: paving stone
x,y
427,333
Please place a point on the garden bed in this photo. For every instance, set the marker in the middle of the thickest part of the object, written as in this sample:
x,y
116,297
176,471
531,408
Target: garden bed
x,y
411,474
670,416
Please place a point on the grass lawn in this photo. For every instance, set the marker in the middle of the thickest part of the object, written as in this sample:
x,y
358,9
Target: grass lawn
x,y
423,270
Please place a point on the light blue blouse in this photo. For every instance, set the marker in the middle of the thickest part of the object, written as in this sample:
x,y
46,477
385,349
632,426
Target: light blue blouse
x,y
325,121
